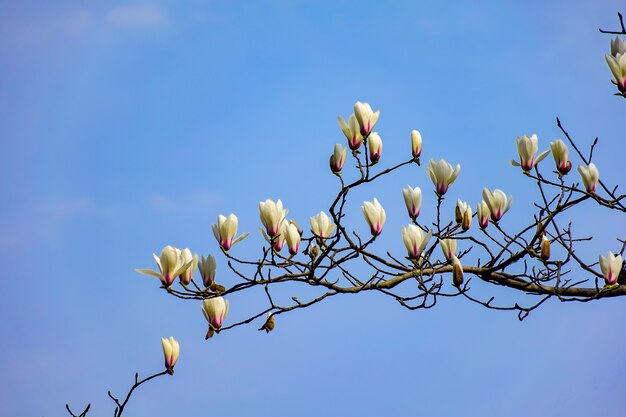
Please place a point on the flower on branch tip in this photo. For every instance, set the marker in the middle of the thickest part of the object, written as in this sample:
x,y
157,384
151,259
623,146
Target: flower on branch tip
x,y
483,214
448,247
171,349
463,214
338,158
457,272
618,46
416,143
413,200
352,131
527,149
414,240
366,117
207,267
322,226
497,202
374,215
191,260
293,237
590,175
442,175
617,65
561,156
272,215
611,267
225,231
171,265
375,146
215,311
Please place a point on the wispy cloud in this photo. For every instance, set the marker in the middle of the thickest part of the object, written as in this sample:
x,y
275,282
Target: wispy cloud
x,y
137,16
202,200
71,207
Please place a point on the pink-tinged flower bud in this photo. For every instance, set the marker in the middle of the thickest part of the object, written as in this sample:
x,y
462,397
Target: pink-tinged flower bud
x,y
374,215
292,235
413,200
545,248
366,117
527,148
215,311
483,214
170,263
611,267
561,156
376,146
617,65
352,131
322,227
191,260
272,215
338,158
442,175
208,267
448,247
457,272
463,214
414,240
171,349
225,231
590,176
416,142
497,202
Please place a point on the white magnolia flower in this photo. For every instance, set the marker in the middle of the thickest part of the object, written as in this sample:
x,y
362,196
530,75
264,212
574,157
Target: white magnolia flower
x,y
497,202
171,349
442,175
414,240
611,267
366,117
225,231
527,149
170,263
590,176
374,215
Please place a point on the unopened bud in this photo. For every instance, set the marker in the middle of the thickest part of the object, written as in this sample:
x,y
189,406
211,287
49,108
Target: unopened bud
x,y
270,323
545,248
457,272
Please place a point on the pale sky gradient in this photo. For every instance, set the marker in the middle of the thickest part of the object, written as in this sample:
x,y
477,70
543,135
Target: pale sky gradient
x,y
129,126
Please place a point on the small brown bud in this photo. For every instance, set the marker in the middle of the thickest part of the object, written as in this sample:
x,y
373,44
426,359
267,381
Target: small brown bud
x,y
270,323
457,272
545,248
314,252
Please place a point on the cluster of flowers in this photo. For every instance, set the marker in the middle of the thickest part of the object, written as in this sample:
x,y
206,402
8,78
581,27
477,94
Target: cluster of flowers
x,y
617,63
278,231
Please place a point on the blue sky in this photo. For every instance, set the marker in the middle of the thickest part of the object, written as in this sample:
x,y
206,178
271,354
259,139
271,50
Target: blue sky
x,y
129,126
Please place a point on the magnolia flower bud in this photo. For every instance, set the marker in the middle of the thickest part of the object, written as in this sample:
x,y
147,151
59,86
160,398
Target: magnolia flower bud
x,y
366,117
215,311
448,247
457,272
170,265
527,148
413,200
561,155
590,176
225,231
376,146
292,236
207,267
483,214
322,226
545,248
416,142
171,349
270,323
617,65
497,202
272,215
352,131
463,214
618,46
188,259
414,240
442,175
374,215
611,267
338,158
315,250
